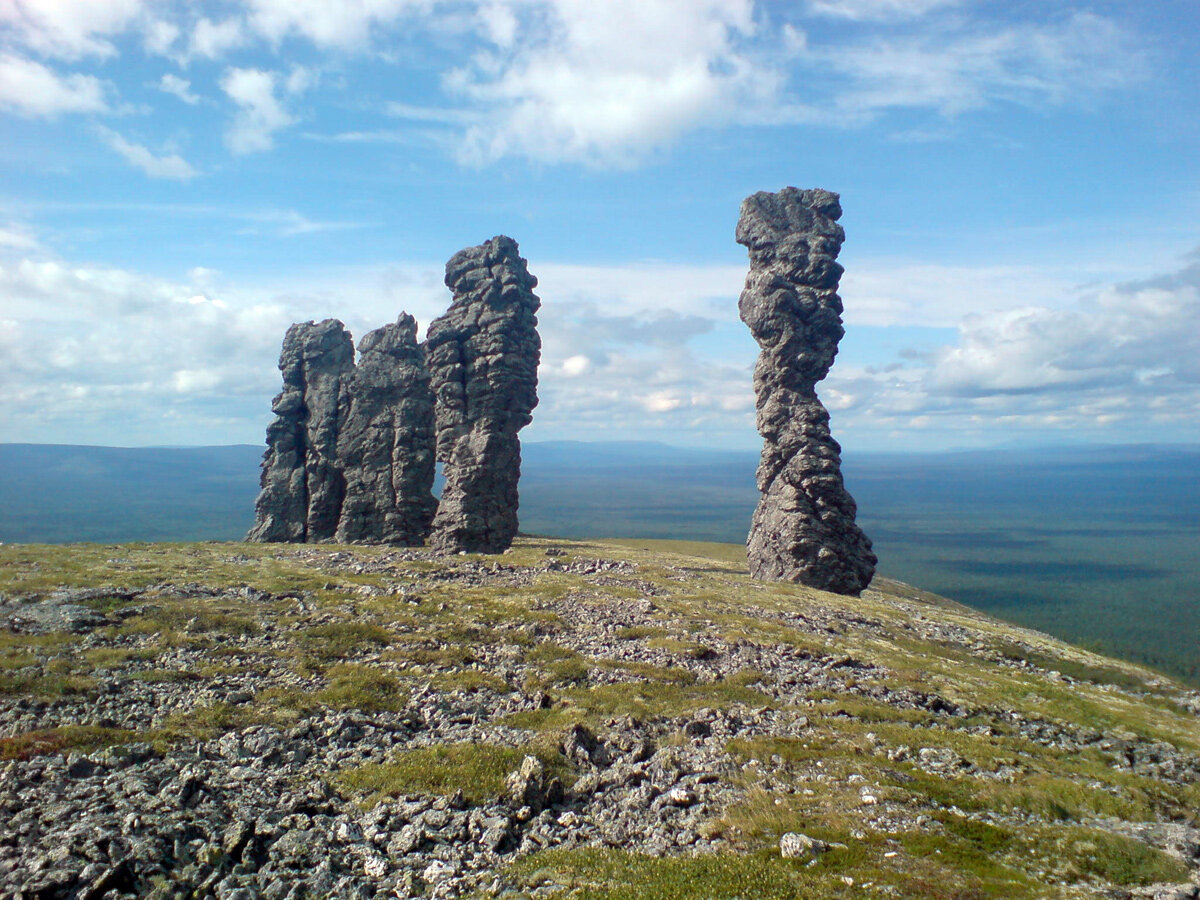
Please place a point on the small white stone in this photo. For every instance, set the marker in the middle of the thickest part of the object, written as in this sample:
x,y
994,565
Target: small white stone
x,y
795,845
437,871
679,796
375,866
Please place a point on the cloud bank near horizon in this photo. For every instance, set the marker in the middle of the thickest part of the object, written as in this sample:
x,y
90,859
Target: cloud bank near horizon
x,y
122,357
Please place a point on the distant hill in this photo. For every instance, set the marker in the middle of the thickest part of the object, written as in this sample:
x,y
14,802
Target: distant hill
x,y
1095,544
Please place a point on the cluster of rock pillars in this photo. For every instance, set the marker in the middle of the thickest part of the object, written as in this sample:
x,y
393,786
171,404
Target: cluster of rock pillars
x,y
351,454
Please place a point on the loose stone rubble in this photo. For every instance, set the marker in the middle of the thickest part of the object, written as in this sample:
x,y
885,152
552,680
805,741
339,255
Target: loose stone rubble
x,y
258,810
386,440
483,356
303,483
803,529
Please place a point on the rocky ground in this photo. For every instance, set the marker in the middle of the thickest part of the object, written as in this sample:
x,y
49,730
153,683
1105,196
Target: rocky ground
x,y
575,720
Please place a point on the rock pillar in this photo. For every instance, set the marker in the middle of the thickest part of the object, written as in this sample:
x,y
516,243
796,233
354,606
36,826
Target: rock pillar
x,y
803,529
385,442
302,483
483,357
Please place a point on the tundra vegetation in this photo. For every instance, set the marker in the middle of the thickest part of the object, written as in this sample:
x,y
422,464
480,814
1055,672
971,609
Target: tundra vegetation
x,y
604,719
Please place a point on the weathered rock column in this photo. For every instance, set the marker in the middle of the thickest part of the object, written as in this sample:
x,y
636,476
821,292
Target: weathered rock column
x,y
385,444
302,481
483,357
803,529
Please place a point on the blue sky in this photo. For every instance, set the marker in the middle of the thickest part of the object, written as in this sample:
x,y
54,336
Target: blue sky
x,y
1020,185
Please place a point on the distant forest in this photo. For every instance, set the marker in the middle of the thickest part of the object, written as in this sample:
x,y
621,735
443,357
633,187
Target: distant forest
x,y
1099,545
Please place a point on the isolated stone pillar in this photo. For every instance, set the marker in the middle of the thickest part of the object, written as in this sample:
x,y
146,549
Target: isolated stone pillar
x,y
803,529
385,440
302,481
483,357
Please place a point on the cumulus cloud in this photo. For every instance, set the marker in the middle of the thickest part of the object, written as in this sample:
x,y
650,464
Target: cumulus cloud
x,y
31,89
1126,353
179,87
212,40
108,355
260,113
17,237
70,29
339,25
1128,337
105,344
170,166
609,83
159,36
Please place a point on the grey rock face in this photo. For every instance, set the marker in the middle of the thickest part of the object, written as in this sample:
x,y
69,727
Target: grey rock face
x,y
483,356
385,442
350,453
302,481
803,529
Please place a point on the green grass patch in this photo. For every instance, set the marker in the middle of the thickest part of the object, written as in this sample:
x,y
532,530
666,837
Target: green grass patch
x,y
479,770
65,739
46,685
365,688
470,680
637,632
641,699
339,640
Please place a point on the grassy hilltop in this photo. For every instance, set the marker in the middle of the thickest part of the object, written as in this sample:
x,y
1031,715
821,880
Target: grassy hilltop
x,y
681,718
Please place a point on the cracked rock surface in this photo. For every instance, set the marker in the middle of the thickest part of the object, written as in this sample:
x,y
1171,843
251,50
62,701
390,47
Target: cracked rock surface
x,y
350,452
385,443
302,483
483,356
804,527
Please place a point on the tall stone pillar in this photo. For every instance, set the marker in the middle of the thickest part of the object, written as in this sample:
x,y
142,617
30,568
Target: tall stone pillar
x,y
803,529
302,483
483,358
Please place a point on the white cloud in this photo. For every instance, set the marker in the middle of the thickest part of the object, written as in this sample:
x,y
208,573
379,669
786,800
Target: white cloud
x,y
300,79
885,292
957,70
31,89
574,366
1125,337
343,25
604,84
289,223
1123,356
102,345
660,401
609,83
171,166
212,40
112,355
260,113
869,10
69,29
17,237
180,87
159,36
